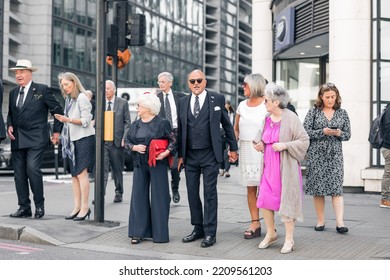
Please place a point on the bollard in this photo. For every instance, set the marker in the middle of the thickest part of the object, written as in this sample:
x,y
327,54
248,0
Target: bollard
x,y
56,159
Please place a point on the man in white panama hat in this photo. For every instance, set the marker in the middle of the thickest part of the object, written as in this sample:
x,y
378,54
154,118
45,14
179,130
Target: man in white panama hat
x,y
27,127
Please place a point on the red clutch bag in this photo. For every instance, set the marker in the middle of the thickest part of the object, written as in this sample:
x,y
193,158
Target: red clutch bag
x,y
156,147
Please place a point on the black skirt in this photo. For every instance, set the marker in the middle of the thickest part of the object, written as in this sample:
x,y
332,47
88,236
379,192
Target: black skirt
x,y
84,155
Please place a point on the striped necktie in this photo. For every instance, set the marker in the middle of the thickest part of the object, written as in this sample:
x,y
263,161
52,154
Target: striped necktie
x,y
21,98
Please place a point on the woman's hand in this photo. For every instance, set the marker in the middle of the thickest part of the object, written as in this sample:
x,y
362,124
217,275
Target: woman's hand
x,y
332,132
259,146
163,155
62,118
278,147
139,148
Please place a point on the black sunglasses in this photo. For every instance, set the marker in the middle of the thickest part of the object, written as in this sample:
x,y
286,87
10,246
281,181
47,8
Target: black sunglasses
x,y
199,81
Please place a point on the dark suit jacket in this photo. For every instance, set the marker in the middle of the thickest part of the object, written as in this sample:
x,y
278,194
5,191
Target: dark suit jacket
x,y
2,127
176,95
159,128
30,124
122,120
218,115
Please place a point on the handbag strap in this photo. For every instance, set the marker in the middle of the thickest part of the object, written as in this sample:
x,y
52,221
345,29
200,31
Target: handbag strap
x,y
314,119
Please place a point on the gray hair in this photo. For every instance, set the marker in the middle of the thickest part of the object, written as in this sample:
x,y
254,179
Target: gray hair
x,y
256,83
166,74
151,102
276,92
112,84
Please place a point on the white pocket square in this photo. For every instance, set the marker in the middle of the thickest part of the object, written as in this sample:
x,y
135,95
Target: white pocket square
x,y
217,108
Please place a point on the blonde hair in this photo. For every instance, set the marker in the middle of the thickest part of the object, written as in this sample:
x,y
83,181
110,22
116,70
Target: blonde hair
x,y
72,78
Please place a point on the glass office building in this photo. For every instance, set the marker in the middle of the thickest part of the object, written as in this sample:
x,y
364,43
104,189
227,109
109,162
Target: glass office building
x,y
60,35
174,42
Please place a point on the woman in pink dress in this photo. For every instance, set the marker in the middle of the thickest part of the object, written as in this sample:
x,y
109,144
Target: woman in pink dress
x,y
284,144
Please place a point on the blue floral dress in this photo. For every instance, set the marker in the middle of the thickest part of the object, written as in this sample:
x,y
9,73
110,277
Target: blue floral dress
x,y
325,173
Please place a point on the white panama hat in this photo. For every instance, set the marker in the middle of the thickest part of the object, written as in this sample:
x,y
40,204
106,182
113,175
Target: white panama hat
x,y
23,64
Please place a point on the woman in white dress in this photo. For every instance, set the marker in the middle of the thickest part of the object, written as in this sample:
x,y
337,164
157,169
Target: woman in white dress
x,y
249,117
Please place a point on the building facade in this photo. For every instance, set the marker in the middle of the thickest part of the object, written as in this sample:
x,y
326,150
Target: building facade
x,y
345,42
60,35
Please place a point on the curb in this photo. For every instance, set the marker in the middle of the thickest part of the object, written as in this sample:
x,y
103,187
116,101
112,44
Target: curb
x,y
27,234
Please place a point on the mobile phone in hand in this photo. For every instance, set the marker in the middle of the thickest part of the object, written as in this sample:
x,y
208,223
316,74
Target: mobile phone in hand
x,y
333,127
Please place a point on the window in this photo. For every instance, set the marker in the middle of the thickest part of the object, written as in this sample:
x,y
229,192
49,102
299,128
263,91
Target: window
x,y
301,78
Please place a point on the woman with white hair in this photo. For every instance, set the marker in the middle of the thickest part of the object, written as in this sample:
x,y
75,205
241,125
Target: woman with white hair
x,y
152,142
284,142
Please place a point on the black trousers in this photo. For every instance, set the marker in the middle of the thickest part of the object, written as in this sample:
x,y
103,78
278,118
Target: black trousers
x,y
150,202
27,170
114,157
199,162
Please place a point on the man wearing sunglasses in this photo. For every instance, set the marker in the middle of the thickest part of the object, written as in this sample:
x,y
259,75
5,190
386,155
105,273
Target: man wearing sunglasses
x,y
200,151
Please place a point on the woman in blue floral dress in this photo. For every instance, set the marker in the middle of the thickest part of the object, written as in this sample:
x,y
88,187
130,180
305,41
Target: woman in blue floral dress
x,y
327,126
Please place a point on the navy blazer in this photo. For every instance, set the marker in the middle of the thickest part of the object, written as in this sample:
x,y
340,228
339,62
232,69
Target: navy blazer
x,y
218,116
30,125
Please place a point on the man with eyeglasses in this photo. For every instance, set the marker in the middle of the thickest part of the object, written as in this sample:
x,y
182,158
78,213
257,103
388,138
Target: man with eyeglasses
x,y
200,151
169,102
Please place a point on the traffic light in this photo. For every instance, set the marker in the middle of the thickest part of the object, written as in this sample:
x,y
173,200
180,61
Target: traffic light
x,y
121,13
137,30
130,29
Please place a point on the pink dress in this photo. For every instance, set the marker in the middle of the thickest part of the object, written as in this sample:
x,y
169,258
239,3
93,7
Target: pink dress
x,y
271,181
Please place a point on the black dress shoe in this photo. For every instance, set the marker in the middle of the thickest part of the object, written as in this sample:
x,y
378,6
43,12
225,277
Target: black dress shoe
x,y
342,229
118,198
319,228
194,235
175,196
39,212
208,241
21,213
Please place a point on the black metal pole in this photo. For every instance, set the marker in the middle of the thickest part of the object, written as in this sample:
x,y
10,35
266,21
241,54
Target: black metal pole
x,y
56,160
101,9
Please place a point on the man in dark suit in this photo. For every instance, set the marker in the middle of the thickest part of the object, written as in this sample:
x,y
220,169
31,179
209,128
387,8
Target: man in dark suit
x,y
114,152
27,127
2,128
169,111
200,150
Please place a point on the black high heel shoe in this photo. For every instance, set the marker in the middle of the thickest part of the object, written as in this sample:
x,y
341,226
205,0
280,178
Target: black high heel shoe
x,y
82,218
71,217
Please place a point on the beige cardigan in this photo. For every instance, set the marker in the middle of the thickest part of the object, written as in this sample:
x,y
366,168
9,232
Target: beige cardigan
x,y
297,141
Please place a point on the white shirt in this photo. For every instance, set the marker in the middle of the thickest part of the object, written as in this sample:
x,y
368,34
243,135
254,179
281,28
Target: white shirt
x,y
112,103
173,107
26,89
251,119
202,98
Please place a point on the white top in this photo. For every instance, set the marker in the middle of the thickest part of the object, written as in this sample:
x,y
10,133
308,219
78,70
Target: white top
x,y
251,119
